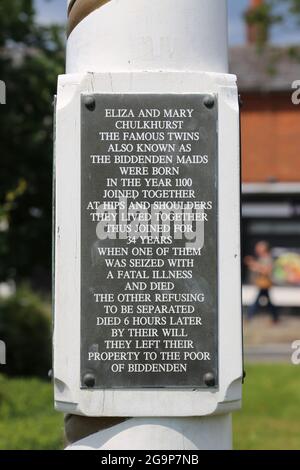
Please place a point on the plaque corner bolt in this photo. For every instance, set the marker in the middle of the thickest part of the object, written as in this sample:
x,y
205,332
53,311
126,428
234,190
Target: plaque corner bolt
x,y
89,380
89,102
209,379
209,101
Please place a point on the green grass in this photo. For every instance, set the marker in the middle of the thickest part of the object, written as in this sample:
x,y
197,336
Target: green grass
x,y
270,418
27,418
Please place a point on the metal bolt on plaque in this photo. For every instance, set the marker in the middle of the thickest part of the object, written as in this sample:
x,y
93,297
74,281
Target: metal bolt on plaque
x,y
209,101
90,103
89,380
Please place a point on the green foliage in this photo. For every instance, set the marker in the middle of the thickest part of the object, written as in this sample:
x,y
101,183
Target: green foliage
x,y
27,418
30,61
294,7
272,12
263,15
25,327
270,416
16,20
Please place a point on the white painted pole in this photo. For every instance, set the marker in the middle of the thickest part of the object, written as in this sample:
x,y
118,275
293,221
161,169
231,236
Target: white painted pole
x,y
150,36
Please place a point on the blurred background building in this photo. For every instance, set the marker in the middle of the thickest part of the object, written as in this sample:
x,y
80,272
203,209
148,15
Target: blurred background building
x,y
270,134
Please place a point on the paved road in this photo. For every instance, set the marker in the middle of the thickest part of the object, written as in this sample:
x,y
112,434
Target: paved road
x,y
269,353
268,342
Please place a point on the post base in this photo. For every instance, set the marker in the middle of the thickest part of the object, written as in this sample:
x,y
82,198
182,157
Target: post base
x,y
205,433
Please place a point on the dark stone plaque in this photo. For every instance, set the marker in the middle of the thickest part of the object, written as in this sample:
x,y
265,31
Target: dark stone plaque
x,y
149,241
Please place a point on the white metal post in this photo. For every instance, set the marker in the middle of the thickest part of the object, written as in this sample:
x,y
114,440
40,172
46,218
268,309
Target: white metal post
x,y
175,46
151,35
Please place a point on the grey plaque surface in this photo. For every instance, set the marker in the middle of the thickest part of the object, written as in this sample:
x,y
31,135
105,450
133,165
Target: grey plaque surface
x,y
149,289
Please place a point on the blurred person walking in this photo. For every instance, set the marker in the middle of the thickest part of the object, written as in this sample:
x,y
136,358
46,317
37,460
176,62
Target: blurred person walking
x,y
261,266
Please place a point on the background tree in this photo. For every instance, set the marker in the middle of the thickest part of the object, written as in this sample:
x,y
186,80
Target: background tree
x,y
31,57
267,13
